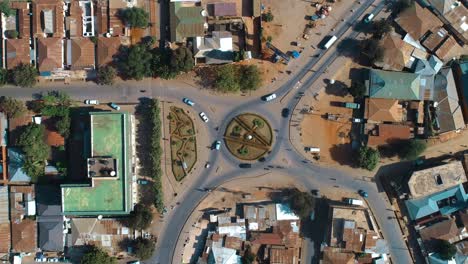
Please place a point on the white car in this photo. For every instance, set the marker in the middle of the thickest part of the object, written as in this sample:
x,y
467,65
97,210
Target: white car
x,y
357,120
207,165
270,97
204,117
188,102
217,145
91,102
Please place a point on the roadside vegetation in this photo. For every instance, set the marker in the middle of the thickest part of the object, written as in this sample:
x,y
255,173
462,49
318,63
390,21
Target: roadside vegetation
x,y
57,105
155,153
368,158
11,107
231,78
105,75
97,255
144,248
140,218
23,75
36,151
301,203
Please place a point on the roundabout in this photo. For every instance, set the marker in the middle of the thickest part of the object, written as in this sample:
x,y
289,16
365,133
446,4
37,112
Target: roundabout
x,y
248,137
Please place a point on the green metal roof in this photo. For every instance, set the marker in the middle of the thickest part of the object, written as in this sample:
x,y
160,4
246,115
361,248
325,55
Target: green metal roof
x,y
418,208
394,85
186,21
109,137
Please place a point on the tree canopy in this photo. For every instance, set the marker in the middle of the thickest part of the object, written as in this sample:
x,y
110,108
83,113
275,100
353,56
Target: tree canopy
x,y
135,17
445,249
372,50
24,75
161,64
182,60
235,78
144,248
401,5
97,255
106,75
11,107
141,217
368,158
301,203
412,149
250,77
36,151
5,8
380,28
357,89
136,62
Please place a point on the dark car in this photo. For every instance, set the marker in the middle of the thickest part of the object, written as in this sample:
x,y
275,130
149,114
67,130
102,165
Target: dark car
x,y
285,112
245,165
363,193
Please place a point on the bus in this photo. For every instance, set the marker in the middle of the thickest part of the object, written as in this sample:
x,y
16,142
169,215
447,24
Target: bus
x,y
330,42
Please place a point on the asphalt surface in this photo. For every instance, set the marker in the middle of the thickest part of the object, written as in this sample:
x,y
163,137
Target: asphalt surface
x,y
309,175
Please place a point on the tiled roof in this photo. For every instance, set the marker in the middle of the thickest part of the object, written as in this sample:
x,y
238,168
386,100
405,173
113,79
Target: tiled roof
x,y
107,48
354,239
435,38
397,53
383,110
23,18
23,230
4,220
446,230
394,85
443,6
448,49
224,9
17,52
38,8
233,242
266,239
186,21
82,53
102,17
336,256
283,255
50,54
417,21
457,19
74,22
387,134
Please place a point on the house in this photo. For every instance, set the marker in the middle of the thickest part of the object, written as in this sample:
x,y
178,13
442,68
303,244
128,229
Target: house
x,y
107,49
448,114
417,21
87,7
80,54
281,254
337,256
104,233
23,18
453,14
383,134
17,52
394,85
107,185
16,173
5,237
397,53
441,43
444,230
49,218
435,179
216,49
186,21
74,20
461,80
223,9
22,213
233,229
49,55
48,17
383,110
259,217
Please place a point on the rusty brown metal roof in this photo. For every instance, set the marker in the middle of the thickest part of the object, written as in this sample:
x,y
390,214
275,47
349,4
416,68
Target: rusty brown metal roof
x,y
107,48
23,18
56,6
284,255
17,52
225,9
102,17
379,109
417,21
82,53
337,256
50,53
389,133
23,230
445,230
74,22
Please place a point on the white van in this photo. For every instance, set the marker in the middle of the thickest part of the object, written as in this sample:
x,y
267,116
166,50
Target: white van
x,y
270,97
368,18
312,149
354,201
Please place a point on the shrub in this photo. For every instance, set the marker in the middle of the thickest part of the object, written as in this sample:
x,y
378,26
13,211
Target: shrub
x,y
412,149
5,8
135,17
24,75
301,203
11,107
445,249
11,34
144,248
36,151
368,158
357,89
156,152
106,75
97,255
267,17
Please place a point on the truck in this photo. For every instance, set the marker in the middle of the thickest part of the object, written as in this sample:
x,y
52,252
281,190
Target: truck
x,y
352,105
330,42
354,201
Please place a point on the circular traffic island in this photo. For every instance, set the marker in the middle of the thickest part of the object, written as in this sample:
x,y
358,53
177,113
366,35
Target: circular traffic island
x,y
248,136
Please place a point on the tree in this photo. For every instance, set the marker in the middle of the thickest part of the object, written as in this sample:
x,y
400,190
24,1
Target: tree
x,y
301,203
357,89
106,75
248,256
5,8
135,17
412,149
24,75
11,107
401,5
63,125
97,255
250,78
160,64
182,60
372,50
3,76
56,98
226,79
11,34
136,64
445,249
144,248
268,16
36,151
141,217
380,28
368,158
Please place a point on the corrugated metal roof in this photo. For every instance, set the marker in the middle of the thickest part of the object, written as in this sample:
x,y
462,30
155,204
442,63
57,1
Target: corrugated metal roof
x,y
4,211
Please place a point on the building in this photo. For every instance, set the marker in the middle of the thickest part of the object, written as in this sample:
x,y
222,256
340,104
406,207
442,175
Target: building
x,y
444,230
260,217
453,14
433,180
107,189
23,18
417,21
223,9
49,55
383,134
107,49
461,80
232,228
22,214
17,52
448,114
395,85
5,237
383,110
397,53
186,21
16,174
50,220
74,20
80,54
442,44
48,18
216,49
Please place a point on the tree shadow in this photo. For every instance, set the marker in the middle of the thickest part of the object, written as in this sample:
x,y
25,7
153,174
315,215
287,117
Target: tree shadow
x,y
348,47
359,74
338,88
342,153
205,76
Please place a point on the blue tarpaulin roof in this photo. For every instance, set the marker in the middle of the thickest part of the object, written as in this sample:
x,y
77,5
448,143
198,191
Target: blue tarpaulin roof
x,y
295,54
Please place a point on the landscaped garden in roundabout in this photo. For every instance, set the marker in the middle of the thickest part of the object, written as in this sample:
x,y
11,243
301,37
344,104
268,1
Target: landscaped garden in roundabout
x,y
248,136
183,142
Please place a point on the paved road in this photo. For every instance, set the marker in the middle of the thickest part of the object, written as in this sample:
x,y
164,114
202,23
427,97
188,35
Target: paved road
x,y
220,110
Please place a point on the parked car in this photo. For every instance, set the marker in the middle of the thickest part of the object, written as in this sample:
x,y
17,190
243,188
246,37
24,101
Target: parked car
x,y
352,105
285,112
270,97
357,120
114,106
217,145
204,117
368,18
142,182
188,101
91,102
363,193
354,201
312,149
245,165
207,165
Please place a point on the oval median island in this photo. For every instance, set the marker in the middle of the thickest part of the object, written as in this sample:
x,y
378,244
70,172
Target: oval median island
x,y
248,136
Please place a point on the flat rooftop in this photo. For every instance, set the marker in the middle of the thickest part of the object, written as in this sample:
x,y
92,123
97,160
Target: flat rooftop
x,y
109,138
436,179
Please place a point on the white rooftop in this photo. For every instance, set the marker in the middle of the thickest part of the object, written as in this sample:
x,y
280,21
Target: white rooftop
x,y
284,212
